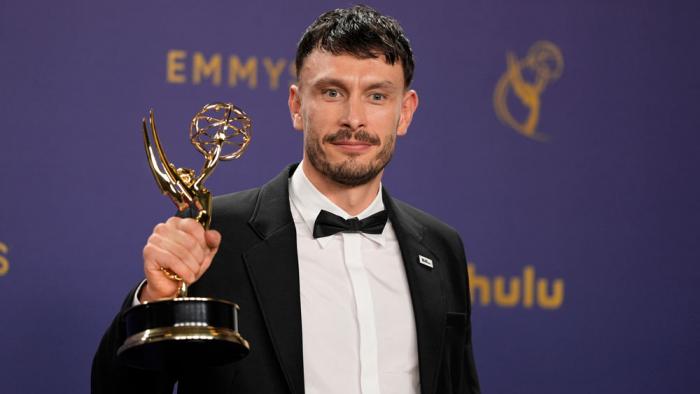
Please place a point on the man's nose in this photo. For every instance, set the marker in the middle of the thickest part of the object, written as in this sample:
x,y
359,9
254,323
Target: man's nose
x,y
355,117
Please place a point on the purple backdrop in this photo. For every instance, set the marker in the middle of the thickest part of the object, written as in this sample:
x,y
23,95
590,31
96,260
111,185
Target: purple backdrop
x,y
583,246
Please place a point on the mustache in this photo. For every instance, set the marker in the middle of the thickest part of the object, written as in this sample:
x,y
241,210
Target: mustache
x,y
347,134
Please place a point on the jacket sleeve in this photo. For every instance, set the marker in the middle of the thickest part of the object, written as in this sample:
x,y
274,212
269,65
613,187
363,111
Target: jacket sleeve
x,y
471,379
111,376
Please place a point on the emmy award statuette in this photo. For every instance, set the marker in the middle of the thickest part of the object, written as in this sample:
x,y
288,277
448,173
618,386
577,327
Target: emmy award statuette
x,y
189,331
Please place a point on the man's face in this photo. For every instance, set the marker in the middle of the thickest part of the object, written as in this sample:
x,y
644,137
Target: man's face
x,y
351,111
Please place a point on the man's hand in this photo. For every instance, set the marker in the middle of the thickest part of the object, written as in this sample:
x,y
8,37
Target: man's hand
x,y
184,247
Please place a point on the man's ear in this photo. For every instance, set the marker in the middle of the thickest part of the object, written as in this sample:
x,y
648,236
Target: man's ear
x,y
294,103
409,103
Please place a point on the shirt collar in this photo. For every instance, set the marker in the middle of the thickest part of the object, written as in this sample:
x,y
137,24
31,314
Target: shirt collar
x,y
309,201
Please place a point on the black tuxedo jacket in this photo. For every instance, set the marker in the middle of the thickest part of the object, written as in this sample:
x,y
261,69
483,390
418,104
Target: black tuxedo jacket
x,y
256,266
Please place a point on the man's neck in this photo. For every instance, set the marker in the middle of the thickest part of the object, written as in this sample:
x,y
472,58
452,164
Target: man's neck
x,y
351,199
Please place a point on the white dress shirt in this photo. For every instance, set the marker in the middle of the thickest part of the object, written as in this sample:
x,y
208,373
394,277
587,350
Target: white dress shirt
x,y
358,329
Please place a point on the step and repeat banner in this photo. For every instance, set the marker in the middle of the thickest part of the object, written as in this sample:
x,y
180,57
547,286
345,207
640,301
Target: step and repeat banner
x,y
560,138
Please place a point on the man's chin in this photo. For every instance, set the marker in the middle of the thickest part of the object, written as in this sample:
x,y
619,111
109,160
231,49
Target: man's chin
x,y
351,173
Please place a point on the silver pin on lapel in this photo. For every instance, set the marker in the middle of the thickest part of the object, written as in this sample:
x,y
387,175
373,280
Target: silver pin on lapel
x,y
425,261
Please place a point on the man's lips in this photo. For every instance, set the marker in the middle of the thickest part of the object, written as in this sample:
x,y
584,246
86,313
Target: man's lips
x,y
352,146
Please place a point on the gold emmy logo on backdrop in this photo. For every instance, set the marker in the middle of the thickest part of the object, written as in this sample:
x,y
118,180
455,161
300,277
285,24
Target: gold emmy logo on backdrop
x,y
527,78
4,263
189,331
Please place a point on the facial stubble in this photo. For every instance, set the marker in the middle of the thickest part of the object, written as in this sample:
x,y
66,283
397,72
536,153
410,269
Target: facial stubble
x,y
349,172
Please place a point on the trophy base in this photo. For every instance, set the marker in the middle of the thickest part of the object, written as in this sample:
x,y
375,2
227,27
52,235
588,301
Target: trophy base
x,y
182,333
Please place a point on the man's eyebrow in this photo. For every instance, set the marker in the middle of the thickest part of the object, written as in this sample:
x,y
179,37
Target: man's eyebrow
x,y
329,81
381,85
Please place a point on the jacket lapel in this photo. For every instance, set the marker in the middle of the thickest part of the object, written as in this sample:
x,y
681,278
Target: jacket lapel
x,y
273,268
426,290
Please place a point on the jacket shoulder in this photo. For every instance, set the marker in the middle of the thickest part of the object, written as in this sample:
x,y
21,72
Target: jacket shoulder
x,y
237,205
430,222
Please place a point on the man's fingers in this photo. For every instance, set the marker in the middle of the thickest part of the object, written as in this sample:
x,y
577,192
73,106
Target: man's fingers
x,y
193,258
213,238
192,227
156,257
188,226
183,247
208,260
172,231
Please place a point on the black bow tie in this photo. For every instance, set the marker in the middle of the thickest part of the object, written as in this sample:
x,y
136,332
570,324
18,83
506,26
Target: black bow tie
x,y
328,224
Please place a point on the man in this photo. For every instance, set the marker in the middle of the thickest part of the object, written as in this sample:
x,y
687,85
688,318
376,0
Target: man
x,y
325,312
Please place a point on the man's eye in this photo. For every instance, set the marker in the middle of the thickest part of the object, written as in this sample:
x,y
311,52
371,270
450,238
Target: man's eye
x,y
331,93
377,96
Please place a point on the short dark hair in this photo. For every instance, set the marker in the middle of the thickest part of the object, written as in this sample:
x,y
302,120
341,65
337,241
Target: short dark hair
x,y
360,31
